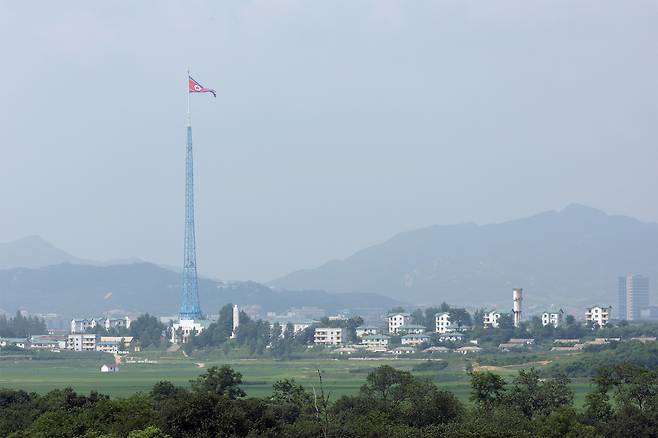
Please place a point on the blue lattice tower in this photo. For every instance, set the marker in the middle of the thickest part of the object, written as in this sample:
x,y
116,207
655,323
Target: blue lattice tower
x,y
190,307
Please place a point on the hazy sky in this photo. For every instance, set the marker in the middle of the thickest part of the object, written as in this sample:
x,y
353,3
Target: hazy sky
x,y
337,124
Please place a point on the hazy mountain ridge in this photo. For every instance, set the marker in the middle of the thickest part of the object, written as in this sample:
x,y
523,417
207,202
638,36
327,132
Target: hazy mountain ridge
x,y
568,257
37,252
143,287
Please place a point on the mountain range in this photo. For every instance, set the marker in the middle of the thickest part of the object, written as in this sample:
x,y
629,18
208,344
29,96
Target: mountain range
x,y
570,257
81,290
567,257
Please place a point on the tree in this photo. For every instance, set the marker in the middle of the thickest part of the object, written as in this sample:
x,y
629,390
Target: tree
x,y
460,317
149,432
487,388
148,330
505,321
397,309
220,381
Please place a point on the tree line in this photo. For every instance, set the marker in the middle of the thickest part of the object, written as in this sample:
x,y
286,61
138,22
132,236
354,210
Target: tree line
x,y
21,326
623,402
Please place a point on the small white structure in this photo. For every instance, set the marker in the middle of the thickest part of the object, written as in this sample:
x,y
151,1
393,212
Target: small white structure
x,y
451,337
517,297
345,350
396,320
403,350
414,339
109,369
111,323
16,342
375,340
81,342
236,321
598,315
442,322
556,319
468,350
328,336
490,319
364,330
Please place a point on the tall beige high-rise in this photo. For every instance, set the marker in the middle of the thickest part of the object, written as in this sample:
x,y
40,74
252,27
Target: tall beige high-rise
x,y
637,295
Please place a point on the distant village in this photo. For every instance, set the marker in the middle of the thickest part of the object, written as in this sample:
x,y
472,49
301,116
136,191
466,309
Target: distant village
x,y
396,334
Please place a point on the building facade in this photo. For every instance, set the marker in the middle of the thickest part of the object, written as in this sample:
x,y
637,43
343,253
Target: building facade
x,y
633,293
598,315
328,336
490,319
556,319
396,320
81,342
442,322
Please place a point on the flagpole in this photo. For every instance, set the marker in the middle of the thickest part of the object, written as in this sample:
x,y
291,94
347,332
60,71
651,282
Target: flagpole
x,y
189,118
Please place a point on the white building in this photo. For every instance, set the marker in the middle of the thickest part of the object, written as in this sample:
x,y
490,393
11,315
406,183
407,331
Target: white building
x,y
375,340
491,319
109,369
115,323
82,325
81,342
328,336
598,315
411,329
396,320
415,339
364,330
182,329
556,319
442,322
16,342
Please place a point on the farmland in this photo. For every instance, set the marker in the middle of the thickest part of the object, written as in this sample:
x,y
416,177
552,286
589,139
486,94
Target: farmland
x,y
340,377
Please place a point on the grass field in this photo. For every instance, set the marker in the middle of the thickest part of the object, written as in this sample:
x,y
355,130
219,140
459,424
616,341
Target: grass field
x,y
81,371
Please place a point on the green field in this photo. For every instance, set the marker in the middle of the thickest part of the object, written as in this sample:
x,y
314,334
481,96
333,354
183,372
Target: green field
x,y
81,372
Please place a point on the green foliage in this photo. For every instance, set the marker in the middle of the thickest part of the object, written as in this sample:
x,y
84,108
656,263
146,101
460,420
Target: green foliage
x,y
148,330
21,327
221,381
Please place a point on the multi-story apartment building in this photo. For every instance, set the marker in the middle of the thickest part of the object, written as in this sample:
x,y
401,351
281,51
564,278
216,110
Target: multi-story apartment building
x,y
490,319
443,323
633,293
328,336
395,320
81,342
598,315
556,319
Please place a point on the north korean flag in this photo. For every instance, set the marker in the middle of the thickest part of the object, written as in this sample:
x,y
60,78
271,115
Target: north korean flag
x,y
195,87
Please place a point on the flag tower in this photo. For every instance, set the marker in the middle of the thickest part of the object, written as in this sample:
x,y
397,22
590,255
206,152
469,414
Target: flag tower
x,y
190,307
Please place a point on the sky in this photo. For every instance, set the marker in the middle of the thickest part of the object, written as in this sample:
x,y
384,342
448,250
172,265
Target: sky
x,y
336,124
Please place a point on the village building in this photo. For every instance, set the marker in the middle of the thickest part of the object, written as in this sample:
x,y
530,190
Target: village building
x,y
328,336
598,315
375,340
183,329
468,350
442,322
411,329
109,368
414,339
490,319
556,319
368,330
81,342
403,350
396,320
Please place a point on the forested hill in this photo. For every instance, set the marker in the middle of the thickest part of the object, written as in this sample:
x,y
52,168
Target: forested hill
x,y
570,257
143,287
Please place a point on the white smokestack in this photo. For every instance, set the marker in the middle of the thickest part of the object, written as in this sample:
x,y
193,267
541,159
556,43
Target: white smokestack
x,y
517,296
236,320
